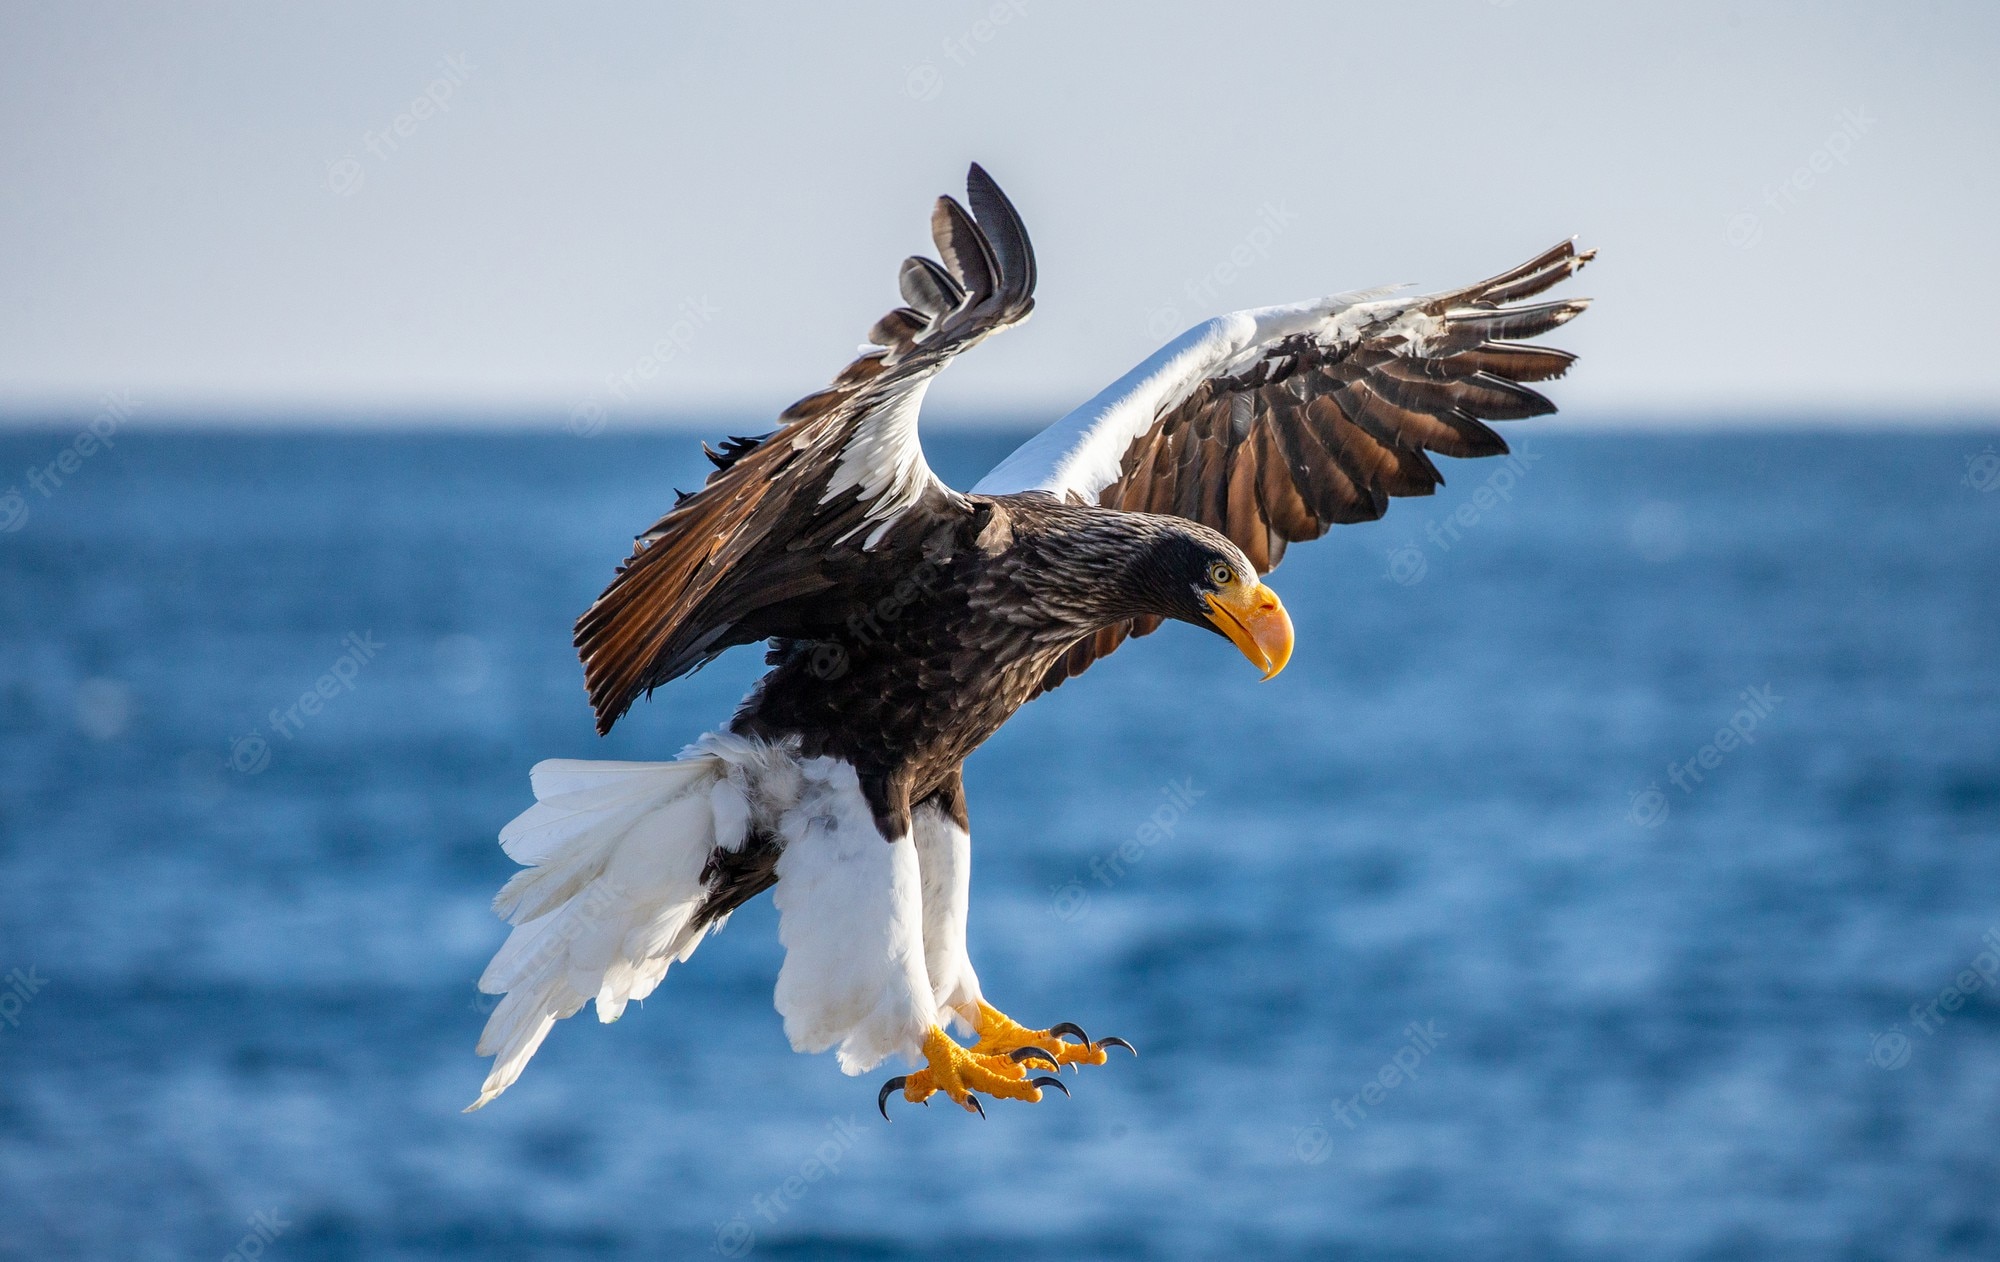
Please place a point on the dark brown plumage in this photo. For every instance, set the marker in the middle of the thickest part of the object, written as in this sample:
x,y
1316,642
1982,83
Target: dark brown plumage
x,y
1315,436
733,563
901,640
913,666
907,621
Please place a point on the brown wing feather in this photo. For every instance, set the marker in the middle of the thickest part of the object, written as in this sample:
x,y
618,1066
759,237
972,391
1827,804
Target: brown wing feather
x,y
1316,435
731,563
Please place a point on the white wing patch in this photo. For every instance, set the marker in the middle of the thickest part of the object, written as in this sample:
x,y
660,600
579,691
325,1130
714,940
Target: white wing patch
x,y
1080,455
884,461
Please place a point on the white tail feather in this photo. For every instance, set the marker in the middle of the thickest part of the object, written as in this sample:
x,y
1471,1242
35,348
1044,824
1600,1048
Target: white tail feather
x,y
616,852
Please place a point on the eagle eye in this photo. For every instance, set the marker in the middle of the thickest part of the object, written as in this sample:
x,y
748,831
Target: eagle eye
x,y
1220,575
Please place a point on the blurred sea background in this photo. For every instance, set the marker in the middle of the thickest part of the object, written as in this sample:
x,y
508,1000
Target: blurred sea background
x,y
1655,1016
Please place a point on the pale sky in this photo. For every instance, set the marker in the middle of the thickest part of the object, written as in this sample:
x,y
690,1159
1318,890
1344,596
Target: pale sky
x,y
666,211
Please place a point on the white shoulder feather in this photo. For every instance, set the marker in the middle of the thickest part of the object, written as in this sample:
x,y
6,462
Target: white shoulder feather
x,y
1079,455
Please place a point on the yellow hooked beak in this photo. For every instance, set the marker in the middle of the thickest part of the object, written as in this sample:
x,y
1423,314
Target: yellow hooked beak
x,y
1255,622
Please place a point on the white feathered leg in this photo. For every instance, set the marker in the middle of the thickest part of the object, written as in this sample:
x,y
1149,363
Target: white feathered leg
x,y
944,851
850,907
944,854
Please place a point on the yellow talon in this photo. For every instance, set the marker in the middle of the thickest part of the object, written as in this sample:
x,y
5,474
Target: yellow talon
x,y
1000,1034
994,1066
958,1072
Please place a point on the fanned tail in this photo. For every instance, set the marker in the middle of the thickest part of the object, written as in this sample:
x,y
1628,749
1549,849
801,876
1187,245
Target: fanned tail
x,y
614,853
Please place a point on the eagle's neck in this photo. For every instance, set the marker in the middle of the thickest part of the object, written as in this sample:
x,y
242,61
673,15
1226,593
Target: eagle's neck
x,y
1083,568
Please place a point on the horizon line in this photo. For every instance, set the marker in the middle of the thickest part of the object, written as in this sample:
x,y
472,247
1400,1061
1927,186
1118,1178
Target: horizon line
x,y
691,419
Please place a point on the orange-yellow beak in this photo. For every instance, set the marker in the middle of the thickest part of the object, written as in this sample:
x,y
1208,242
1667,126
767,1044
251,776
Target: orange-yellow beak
x,y
1255,622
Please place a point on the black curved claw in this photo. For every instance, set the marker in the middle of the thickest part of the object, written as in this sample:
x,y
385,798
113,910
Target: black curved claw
x,y
1031,1052
1115,1041
882,1101
1067,1027
1046,1081
977,1107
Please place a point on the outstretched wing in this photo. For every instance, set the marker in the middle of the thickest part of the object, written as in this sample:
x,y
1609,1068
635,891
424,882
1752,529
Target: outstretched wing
x,y
784,517
1273,425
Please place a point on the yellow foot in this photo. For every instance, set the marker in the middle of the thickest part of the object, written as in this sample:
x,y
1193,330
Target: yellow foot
x,y
1001,1035
958,1073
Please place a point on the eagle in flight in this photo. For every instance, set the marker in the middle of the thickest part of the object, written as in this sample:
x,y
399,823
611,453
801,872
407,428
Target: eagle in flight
x,y
906,621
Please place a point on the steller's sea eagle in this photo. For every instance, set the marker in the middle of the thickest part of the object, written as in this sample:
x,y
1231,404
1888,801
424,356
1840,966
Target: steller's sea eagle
x,y
907,621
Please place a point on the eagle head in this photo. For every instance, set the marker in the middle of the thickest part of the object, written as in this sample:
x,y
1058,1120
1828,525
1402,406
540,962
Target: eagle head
x,y
1193,574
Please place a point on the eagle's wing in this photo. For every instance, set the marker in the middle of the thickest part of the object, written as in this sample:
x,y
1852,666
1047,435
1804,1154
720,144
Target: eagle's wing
x,y
738,560
1271,425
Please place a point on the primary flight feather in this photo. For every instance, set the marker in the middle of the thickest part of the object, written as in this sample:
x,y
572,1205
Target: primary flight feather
x,y
907,621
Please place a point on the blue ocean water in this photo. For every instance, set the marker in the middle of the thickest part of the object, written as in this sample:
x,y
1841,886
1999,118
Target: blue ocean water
x,y
1624,986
